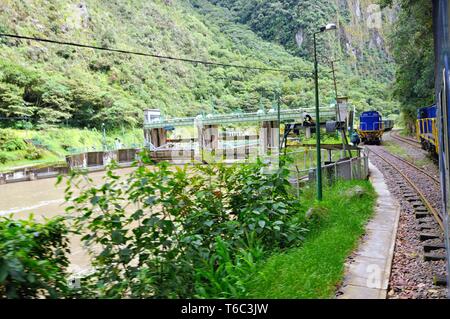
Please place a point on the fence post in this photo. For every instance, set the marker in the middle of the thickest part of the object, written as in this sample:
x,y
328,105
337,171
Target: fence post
x,y
335,171
247,151
351,169
304,160
366,160
235,155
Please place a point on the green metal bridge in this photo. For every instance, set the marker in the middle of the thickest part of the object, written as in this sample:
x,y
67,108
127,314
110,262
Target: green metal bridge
x,y
291,115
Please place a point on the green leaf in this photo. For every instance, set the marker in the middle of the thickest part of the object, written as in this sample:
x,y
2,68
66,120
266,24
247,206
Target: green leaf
x,y
209,223
150,200
117,237
95,200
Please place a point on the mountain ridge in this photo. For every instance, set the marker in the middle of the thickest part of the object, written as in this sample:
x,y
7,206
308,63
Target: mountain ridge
x,y
52,85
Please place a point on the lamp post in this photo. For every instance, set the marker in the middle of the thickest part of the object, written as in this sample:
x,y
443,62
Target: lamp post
x,y
328,27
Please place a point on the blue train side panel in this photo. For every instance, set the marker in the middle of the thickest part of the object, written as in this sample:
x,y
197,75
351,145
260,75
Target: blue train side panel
x,y
441,35
426,128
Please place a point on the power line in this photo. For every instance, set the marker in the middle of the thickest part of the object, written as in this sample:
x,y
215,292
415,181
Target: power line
x,y
209,63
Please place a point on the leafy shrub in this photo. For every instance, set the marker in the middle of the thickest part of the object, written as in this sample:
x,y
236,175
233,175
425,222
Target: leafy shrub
x,y
225,274
192,232
23,125
33,258
10,156
3,157
10,142
33,153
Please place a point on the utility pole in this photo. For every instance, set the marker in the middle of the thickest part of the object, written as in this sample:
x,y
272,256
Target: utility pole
x,y
318,148
328,27
343,133
279,127
334,79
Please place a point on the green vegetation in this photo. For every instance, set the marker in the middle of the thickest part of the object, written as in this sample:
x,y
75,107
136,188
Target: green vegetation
x,y
205,228
413,51
315,269
364,65
291,23
54,85
399,150
15,149
325,138
194,232
394,148
200,232
33,258
50,146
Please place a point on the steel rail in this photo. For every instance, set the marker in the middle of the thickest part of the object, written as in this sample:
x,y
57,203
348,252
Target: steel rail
x,y
437,181
405,140
432,210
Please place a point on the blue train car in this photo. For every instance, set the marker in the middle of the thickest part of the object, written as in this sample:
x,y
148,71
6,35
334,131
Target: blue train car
x,y
370,129
441,33
426,129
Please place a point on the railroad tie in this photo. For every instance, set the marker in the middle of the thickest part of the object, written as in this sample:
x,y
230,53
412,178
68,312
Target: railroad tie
x,y
421,214
412,199
440,280
426,226
430,247
433,257
426,236
417,204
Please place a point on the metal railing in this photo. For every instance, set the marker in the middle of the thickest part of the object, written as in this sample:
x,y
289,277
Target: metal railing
x,y
343,169
215,119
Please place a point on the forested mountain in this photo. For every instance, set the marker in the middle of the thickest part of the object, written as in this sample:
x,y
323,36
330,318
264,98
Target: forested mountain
x,y
53,84
361,40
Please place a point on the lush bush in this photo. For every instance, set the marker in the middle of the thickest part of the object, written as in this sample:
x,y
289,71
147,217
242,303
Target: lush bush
x,y
13,147
33,153
3,157
9,156
9,141
170,232
33,258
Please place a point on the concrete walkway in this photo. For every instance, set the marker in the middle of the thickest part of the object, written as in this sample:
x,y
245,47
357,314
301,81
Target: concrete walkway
x,y
367,272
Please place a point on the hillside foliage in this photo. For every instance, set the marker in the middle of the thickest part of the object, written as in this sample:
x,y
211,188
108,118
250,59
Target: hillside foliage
x,y
53,85
413,50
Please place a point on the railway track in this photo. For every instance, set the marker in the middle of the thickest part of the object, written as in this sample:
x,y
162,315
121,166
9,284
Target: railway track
x,y
424,184
420,193
405,140
433,178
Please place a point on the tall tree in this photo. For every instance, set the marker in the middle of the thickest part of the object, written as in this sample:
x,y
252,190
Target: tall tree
x,y
412,48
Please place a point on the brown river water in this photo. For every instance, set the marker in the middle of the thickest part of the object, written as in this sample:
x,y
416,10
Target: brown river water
x,y
44,199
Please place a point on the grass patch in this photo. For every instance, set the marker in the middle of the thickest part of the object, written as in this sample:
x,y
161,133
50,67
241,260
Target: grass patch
x,y
316,268
398,150
48,158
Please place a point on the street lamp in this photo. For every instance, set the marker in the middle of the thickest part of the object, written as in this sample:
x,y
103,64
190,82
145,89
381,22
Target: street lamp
x,y
328,27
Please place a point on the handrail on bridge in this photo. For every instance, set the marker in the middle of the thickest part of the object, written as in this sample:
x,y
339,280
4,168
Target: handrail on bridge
x,y
213,119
